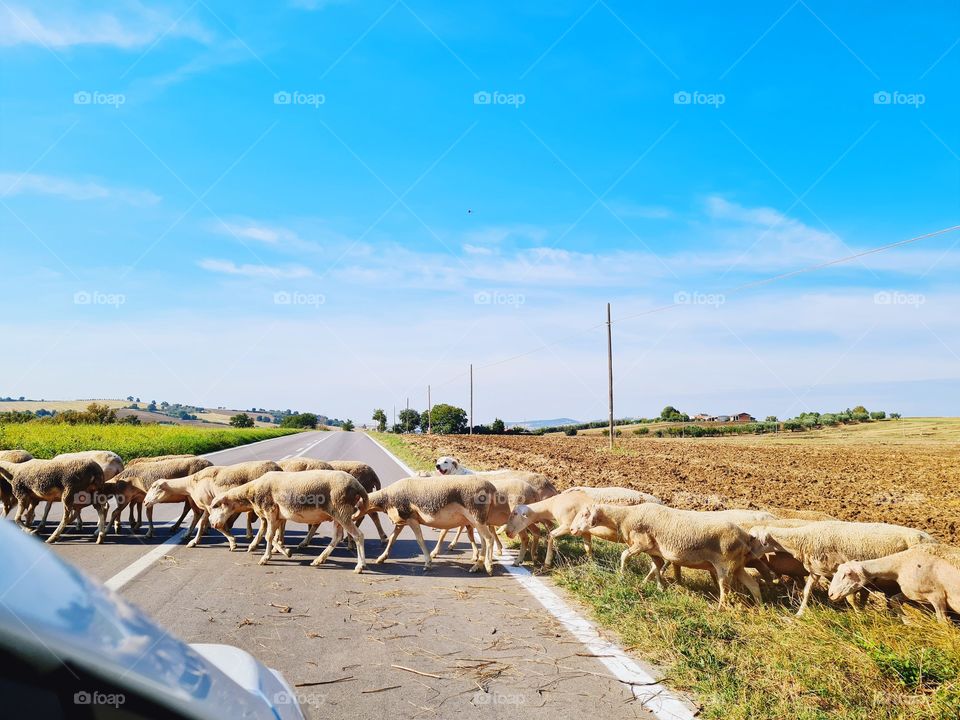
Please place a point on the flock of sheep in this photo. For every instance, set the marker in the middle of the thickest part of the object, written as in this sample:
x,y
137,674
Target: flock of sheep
x,y
901,562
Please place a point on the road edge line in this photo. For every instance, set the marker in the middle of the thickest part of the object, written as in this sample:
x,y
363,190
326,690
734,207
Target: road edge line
x,y
653,696
403,466
143,562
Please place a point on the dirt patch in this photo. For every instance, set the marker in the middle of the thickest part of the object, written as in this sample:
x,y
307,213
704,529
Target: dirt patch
x,y
907,484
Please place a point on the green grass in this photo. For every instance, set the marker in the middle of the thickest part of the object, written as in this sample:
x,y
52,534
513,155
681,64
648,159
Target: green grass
x,y
411,455
44,440
749,662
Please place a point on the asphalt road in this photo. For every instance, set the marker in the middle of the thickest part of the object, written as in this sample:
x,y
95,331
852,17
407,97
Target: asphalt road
x,y
393,642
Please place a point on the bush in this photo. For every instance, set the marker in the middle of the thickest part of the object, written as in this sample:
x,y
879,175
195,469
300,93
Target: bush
x,y
570,432
299,420
878,415
346,425
241,420
642,431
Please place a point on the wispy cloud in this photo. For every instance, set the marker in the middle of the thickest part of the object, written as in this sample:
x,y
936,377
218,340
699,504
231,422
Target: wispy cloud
x,y
131,26
253,230
12,183
228,267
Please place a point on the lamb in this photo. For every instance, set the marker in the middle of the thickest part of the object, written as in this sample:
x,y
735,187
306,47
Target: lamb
x,y
559,510
36,480
201,488
682,537
134,482
6,492
309,496
822,546
443,503
926,573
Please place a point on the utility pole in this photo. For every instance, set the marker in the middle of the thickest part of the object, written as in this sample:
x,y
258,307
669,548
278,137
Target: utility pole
x,y
394,416
406,422
471,398
429,412
610,371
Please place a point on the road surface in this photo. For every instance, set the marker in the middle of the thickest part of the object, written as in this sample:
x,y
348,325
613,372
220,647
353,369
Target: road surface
x,y
393,642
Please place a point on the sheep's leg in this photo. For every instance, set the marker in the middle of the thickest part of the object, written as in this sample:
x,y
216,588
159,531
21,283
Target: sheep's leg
x,y
487,538
271,533
475,552
456,538
259,536
723,580
334,541
176,525
807,589
226,533
390,541
201,528
115,519
939,602
496,539
311,531
524,541
280,539
748,582
67,501
436,549
18,516
249,533
375,517
548,560
630,551
101,521
43,520
588,545
534,542
197,514
77,514
418,533
357,536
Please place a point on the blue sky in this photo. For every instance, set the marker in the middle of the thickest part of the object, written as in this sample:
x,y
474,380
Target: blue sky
x,y
308,204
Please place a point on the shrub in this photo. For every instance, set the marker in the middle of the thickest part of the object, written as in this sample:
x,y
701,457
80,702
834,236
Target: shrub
x,y
878,415
347,425
642,431
241,420
570,432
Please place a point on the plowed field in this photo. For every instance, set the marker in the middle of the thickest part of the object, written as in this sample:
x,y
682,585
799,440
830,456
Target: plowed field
x,y
915,484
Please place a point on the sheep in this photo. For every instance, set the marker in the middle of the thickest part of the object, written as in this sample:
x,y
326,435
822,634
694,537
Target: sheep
x,y
202,486
789,514
616,495
309,496
442,503
134,482
559,510
158,458
926,573
682,537
822,546
36,480
298,464
6,492
112,465
512,490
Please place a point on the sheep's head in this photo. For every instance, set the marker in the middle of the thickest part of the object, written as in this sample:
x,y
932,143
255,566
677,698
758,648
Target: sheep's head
x,y
448,465
159,492
585,519
221,509
519,520
765,542
849,578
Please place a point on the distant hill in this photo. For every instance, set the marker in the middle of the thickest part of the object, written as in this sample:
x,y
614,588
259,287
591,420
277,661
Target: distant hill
x,y
536,424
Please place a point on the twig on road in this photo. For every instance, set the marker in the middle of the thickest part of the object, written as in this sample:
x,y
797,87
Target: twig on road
x,y
417,672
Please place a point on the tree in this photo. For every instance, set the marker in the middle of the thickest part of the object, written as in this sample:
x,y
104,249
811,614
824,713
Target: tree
x,y
129,398
425,421
409,419
102,414
671,414
771,418
859,410
300,420
448,419
497,427
347,425
380,417
241,420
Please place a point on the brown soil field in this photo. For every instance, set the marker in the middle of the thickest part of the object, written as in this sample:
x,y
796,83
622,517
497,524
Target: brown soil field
x,y
911,484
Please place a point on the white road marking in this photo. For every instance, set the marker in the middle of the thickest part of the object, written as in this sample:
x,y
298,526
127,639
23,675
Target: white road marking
x,y
652,695
311,447
143,562
403,466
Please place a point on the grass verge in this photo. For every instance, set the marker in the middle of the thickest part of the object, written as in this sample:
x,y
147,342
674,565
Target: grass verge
x,y
44,440
748,662
411,455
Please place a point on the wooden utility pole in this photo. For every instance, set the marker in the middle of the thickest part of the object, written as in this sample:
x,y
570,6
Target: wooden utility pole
x,y
471,398
610,371
406,422
429,412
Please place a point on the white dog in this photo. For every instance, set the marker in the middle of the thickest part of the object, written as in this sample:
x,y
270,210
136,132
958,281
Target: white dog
x,y
448,465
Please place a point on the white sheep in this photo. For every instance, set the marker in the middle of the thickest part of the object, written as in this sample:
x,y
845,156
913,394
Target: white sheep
x,y
616,495
37,480
927,573
112,465
822,546
682,537
308,496
136,479
442,503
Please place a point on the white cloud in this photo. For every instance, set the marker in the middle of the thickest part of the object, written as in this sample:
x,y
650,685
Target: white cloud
x,y
228,267
131,26
252,230
12,183
476,249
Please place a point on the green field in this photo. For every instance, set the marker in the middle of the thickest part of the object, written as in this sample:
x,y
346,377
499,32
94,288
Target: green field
x,y
44,440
